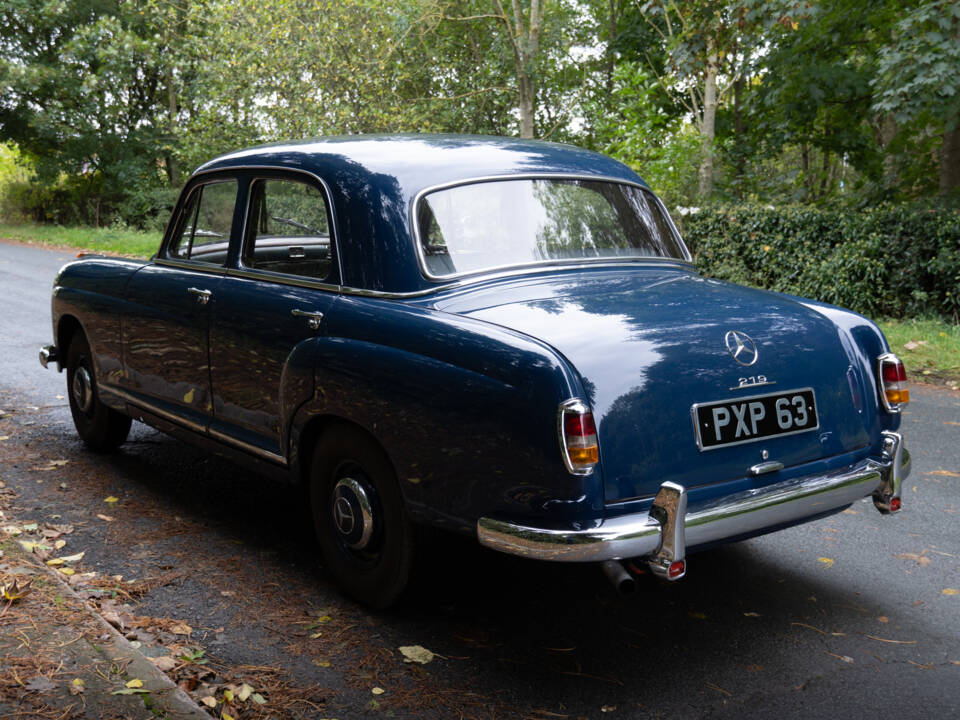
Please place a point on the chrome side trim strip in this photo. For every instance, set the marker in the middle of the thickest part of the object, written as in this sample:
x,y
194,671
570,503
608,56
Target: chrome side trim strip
x,y
735,515
281,279
138,403
187,265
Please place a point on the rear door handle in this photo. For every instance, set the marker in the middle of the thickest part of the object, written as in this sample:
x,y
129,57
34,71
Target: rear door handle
x,y
314,317
203,296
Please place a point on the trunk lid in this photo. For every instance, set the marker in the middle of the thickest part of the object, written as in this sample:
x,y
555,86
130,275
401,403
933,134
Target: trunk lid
x,y
649,343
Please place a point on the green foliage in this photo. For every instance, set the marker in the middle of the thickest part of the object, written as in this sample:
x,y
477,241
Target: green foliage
x,y
660,146
115,240
888,261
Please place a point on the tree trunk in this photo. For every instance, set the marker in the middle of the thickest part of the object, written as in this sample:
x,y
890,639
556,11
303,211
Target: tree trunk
x,y
526,105
708,124
740,168
888,131
950,159
173,169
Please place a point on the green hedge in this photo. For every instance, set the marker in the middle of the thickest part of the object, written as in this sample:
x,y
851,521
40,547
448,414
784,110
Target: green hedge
x,y
884,262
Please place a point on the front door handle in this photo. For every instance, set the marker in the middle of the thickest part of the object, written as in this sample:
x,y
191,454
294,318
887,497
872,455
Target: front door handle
x,y
203,296
314,317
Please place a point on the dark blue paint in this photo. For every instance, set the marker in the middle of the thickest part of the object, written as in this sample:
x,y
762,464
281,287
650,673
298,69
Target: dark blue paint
x,y
461,385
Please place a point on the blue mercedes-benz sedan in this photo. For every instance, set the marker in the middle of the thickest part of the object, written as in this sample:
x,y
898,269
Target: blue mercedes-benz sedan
x,y
500,337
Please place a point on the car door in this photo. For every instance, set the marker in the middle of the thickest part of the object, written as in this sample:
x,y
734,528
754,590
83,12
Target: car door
x,y
166,323
269,313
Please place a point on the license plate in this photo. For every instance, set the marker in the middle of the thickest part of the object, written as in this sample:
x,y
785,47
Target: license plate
x,y
748,419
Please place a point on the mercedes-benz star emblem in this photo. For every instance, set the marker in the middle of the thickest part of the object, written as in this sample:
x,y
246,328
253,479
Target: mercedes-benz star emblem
x,y
741,347
343,515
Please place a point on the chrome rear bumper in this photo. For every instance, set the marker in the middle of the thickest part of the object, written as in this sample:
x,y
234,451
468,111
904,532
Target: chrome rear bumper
x,y
662,535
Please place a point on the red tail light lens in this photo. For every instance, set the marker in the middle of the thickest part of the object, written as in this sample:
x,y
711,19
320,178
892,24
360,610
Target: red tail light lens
x,y
894,393
578,437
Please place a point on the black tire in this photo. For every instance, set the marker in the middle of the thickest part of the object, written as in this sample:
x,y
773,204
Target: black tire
x,y
101,428
368,555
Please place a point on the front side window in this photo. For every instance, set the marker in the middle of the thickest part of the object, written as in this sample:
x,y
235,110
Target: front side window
x,y
288,229
204,231
488,225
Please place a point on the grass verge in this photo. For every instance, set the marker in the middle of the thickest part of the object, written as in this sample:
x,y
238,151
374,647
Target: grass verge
x,y
132,243
930,349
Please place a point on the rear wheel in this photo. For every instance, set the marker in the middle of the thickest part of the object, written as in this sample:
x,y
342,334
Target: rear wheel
x,y
359,517
101,428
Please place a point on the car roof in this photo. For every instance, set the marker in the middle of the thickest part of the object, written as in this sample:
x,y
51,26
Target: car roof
x,y
373,180
419,161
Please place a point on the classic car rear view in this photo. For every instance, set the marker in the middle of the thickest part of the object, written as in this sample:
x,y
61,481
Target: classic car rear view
x,y
497,337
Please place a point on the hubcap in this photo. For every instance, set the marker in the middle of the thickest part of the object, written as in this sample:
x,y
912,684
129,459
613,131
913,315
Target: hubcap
x,y
83,389
352,513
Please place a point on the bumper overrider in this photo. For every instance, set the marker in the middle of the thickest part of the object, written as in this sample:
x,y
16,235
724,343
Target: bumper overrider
x,y
660,537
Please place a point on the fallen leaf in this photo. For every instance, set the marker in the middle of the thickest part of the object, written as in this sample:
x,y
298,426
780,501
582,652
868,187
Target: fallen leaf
x,y
209,701
752,614
258,699
16,590
950,591
131,691
244,692
181,629
942,473
378,691
41,683
848,511
57,463
55,561
164,663
67,571
883,619
827,562
12,530
945,422
4,437
135,683
922,560
188,398
105,518
224,716
316,635
111,500
30,527
59,544
719,689
73,558
607,708
77,686
321,663
416,654
228,695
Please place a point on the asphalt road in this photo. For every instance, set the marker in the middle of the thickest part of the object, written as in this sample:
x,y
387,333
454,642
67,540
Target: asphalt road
x,y
847,616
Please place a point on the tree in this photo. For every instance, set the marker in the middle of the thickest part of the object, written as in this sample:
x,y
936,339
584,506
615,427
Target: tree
x,y
918,79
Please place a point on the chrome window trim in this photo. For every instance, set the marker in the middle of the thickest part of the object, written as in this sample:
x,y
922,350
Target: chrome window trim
x,y
328,197
282,279
207,268
164,251
418,245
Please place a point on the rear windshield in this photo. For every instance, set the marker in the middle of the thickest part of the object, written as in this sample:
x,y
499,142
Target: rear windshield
x,y
504,223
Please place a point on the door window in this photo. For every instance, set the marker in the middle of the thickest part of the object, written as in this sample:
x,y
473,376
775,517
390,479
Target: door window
x,y
288,229
204,231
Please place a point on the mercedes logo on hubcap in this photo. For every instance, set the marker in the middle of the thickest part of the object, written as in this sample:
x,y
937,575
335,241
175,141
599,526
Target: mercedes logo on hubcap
x,y
741,347
343,515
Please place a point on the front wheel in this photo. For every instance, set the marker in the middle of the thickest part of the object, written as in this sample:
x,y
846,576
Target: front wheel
x,y
359,517
100,427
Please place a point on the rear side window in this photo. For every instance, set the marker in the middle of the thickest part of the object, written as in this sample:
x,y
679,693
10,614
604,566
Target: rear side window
x,y
288,229
203,234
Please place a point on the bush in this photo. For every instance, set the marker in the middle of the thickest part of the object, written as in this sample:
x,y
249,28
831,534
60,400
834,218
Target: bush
x,y
883,262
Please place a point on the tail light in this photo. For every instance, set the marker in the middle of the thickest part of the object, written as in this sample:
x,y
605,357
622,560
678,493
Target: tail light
x,y
894,393
578,437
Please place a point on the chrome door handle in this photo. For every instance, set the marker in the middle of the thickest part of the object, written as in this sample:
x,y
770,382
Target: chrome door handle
x,y
203,296
314,317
